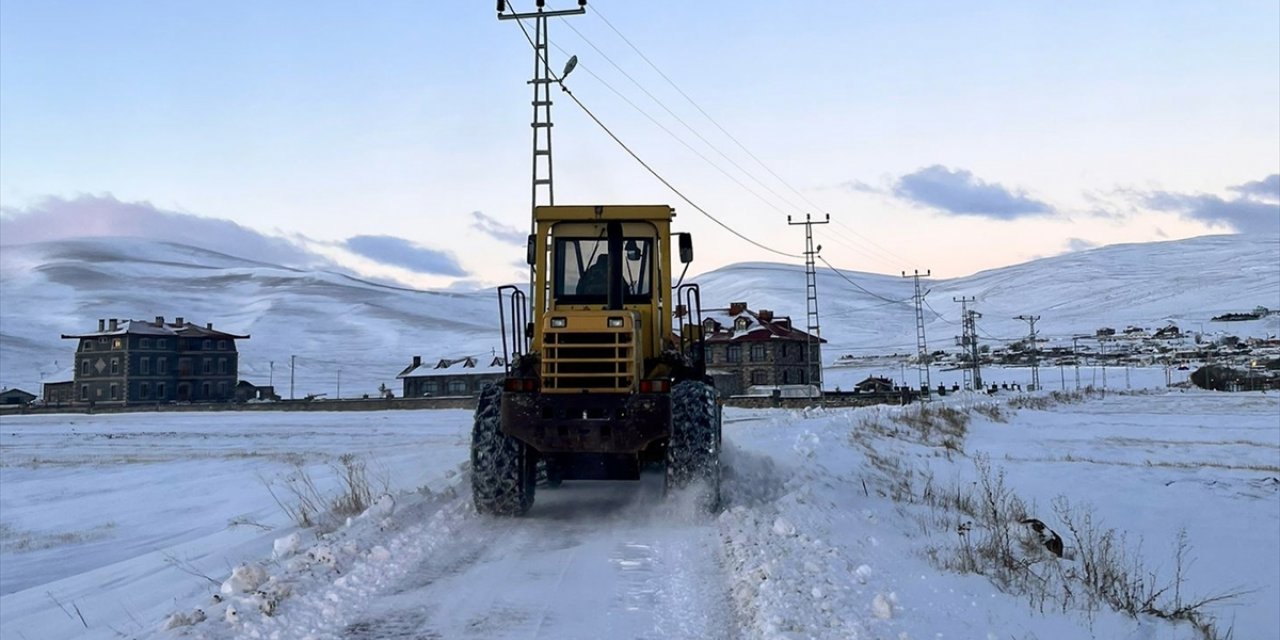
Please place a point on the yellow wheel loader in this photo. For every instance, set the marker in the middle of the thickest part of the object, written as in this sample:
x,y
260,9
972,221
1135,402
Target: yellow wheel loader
x,y
608,375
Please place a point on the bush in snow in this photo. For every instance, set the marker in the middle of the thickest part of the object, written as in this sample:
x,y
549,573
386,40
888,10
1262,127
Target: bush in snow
x,y
307,506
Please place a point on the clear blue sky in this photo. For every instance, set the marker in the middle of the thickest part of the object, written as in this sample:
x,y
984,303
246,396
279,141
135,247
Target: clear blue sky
x,y
948,136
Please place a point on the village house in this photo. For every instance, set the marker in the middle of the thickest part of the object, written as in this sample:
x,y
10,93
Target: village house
x,y
141,362
58,394
455,377
16,397
748,348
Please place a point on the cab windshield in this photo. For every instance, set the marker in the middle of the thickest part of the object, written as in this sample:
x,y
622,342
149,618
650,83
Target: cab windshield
x,y
582,269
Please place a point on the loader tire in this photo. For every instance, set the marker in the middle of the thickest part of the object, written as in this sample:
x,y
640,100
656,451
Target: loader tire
x,y
693,453
503,471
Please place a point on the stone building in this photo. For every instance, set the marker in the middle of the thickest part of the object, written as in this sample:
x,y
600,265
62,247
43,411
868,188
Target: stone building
x,y
748,348
464,376
141,362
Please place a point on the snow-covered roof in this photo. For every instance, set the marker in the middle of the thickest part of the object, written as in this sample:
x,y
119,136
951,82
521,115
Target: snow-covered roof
x,y
465,365
158,327
739,323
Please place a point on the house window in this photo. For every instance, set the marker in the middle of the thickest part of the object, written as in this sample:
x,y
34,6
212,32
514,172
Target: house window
x,y
204,390
207,345
740,324
222,366
757,353
117,343
115,366
222,345
162,366
84,392
784,349
144,366
160,391
759,376
144,390
115,391
786,376
208,365
161,343
430,388
84,367
102,341
87,345
222,390
457,387
733,353
145,343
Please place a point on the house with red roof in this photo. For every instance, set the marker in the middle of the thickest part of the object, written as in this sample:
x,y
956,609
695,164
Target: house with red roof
x,y
747,348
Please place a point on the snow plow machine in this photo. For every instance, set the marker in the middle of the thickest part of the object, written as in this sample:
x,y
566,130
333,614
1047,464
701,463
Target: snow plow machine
x,y
608,376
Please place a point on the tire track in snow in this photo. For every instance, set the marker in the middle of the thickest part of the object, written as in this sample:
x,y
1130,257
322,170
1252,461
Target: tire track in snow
x,y
590,560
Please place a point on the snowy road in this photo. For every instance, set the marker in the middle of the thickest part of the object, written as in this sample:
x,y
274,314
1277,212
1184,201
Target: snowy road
x,y
592,560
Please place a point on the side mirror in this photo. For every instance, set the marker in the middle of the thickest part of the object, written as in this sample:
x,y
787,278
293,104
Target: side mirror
x,y
686,247
530,252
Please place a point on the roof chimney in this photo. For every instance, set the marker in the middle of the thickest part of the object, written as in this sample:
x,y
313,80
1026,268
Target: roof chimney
x,y
178,321
102,325
114,324
209,326
765,315
737,307
159,321
417,361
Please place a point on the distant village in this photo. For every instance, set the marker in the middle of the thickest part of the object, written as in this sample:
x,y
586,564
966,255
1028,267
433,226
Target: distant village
x,y
750,353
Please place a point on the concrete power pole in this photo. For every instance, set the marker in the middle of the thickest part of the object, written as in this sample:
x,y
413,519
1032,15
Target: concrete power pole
x,y
811,297
1035,351
969,341
922,349
292,361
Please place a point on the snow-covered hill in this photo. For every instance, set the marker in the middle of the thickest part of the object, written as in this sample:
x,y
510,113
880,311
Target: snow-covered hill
x,y
356,334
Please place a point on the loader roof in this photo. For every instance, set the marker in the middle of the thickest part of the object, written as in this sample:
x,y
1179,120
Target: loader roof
x,y
589,213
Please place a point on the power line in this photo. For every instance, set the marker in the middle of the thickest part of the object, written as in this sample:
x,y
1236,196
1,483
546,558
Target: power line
x,y
704,113
682,122
729,135
673,135
860,287
651,170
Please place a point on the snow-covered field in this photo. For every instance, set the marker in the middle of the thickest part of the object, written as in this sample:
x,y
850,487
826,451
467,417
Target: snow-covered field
x,y
112,524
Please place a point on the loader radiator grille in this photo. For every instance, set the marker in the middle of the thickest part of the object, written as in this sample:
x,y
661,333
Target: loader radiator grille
x,y
599,361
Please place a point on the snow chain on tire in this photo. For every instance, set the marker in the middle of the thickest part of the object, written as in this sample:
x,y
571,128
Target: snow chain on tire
x,y
693,454
502,469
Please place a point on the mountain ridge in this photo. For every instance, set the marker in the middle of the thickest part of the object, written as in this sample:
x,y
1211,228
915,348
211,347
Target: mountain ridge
x,y
341,327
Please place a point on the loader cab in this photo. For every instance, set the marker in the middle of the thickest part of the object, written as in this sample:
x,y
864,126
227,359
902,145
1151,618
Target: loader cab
x,y
581,268
602,276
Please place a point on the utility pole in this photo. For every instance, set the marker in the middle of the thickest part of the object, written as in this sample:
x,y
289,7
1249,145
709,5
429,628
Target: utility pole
x,y
922,349
271,377
542,80
969,341
1075,357
338,395
814,335
292,361
1035,351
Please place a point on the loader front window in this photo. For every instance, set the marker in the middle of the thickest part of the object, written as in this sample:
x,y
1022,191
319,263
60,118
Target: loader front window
x,y
581,270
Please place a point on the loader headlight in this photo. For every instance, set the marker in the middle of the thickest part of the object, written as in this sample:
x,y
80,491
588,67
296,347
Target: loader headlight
x,y
559,323
615,323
